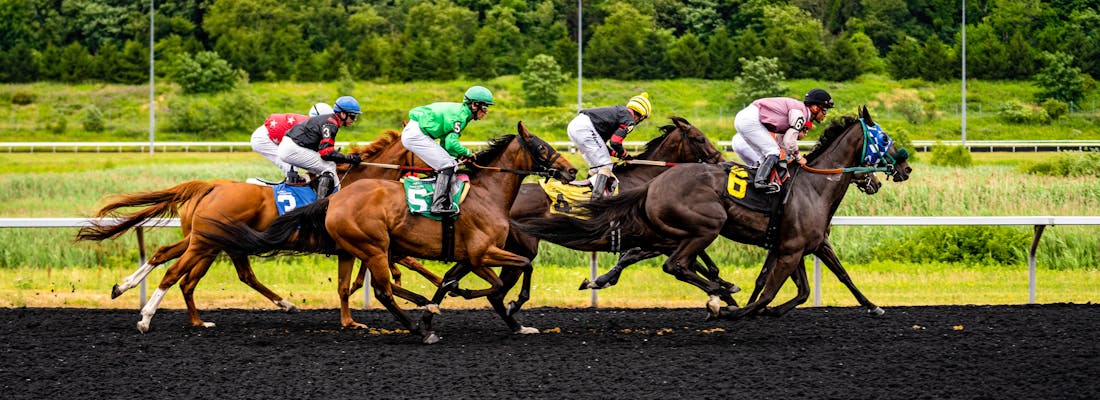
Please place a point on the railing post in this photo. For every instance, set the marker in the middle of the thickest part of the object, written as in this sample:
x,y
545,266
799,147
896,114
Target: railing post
x,y
141,262
1031,264
366,288
817,282
592,261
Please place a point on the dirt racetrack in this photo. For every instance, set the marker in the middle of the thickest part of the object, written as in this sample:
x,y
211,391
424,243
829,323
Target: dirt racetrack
x,y
956,352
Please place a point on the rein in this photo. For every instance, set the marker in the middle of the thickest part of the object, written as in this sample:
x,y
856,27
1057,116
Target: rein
x,y
869,146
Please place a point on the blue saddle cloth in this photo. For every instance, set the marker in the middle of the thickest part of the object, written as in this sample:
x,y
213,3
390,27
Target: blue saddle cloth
x,y
289,197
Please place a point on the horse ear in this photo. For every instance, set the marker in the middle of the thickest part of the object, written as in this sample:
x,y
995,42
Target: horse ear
x,y
522,130
681,123
866,114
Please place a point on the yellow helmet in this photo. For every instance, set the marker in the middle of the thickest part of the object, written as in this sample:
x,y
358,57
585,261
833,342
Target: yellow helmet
x,y
640,104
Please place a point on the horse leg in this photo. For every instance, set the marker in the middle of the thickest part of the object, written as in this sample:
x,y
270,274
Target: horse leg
x,y
248,276
611,277
509,277
679,264
188,284
488,275
524,291
769,262
782,269
359,278
711,272
798,276
161,256
416,266
829,258
450,281
171,276
345,263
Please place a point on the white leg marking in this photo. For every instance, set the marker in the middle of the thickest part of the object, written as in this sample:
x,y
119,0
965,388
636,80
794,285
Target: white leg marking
x,y
150,309
135,278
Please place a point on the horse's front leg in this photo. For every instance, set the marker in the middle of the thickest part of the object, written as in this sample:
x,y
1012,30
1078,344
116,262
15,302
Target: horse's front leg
x,y
345,264
782,270
828,257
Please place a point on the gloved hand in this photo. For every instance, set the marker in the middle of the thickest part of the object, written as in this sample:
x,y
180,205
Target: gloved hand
x,y
353,159
466,159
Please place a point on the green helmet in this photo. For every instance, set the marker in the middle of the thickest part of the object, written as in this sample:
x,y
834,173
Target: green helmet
x,y
478,94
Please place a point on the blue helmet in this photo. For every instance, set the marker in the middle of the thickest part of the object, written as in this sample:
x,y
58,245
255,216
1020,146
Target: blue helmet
x,y
347,104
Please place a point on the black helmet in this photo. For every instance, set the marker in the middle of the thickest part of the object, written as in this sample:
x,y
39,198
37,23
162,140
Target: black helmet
x,y
819,96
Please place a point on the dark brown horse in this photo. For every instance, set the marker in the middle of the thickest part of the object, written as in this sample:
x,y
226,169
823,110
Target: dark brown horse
x,y
683,210
341,224
679,142
252,204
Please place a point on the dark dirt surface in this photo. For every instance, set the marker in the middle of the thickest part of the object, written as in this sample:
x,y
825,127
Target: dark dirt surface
x,y
956,352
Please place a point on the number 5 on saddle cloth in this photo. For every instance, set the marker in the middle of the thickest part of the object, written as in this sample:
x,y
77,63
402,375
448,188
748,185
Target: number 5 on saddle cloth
x,y
418,194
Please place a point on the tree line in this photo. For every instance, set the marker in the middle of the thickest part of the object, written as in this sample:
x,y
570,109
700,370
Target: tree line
x,y
406,40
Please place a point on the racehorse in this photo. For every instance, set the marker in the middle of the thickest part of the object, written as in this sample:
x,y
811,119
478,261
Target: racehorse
x,y
231,201
341,224
679,142
683,210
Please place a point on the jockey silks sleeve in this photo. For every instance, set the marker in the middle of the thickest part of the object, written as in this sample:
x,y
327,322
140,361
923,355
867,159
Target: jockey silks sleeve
x,y
444,122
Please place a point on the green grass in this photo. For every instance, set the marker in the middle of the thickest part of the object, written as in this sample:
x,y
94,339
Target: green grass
x,y
708,104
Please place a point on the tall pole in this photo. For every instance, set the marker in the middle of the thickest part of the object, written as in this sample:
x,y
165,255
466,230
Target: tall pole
x,y
964,73
152,90
580,52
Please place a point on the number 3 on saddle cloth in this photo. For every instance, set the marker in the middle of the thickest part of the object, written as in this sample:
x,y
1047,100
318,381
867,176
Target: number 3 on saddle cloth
x,y
419,192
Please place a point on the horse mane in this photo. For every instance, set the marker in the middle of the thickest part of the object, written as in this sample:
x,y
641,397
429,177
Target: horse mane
x,y
656,142
381,143
496,147
830,135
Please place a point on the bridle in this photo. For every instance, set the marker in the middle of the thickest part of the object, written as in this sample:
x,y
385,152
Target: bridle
x,y
875,156
544,166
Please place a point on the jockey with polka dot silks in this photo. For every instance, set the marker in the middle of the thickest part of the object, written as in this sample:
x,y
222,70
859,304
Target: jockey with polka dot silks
x,y
444,122
785,116
592,127
311,145
265,139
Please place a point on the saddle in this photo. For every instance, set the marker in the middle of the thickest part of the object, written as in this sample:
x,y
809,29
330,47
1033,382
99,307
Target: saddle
x,y
419,192
740,190
564,197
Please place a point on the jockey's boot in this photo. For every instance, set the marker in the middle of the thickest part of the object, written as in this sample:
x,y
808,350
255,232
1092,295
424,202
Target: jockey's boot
x,y
763,172
324,185
599,186
441,199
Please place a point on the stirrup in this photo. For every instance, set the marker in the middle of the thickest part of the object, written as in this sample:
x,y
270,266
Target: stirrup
x,y
770,188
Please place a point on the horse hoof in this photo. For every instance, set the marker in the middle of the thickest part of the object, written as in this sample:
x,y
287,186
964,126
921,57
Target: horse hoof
x,y
143,326
431,338
876,312
735,289
115,292
286,306
526,330
586,285
713,306
432,308
208,325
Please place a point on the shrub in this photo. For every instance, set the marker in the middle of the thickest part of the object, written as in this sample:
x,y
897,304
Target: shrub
x,y
760,77
93,119
1055,108
205,73
346,85
541,78
1069,163
950,156
22,98
970,245
1020,113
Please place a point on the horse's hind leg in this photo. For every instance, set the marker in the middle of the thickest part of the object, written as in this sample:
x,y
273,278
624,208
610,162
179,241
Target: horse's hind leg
x,y
509,276
173,275
782,269
162,255
343,288
798,276
626,259
416,266
248,276
187,287
680,264
829,258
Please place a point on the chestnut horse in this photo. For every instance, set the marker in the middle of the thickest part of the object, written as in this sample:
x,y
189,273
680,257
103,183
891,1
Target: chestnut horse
x,y
683,210
341,224
234,201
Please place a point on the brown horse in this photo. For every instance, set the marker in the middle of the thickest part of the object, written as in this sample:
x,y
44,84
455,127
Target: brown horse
x,y
252,204
683,210
340,224
679,142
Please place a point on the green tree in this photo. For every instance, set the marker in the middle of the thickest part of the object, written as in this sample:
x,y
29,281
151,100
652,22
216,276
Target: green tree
x,y
541,79
689,57
436,36
986,55
1059,80
723,55
841,62
19,64
206,72
498,45
938,63
869,59
760,78
93,119
904,59
133,64
260,36
794,38
885,21
614,49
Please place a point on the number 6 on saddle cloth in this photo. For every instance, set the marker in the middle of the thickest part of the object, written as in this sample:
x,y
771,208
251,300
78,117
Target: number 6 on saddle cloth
x,y
418,194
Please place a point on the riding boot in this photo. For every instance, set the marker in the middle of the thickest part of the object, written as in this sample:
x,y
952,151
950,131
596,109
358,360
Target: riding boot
x,y
324,185
599,186
292,178
763,173
441,199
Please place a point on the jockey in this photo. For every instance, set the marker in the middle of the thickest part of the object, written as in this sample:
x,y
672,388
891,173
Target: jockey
x,y
312,144
593,127
444,122
265,139
784,116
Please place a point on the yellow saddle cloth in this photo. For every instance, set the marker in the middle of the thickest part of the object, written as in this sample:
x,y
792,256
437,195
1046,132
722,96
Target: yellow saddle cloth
x,y
565,197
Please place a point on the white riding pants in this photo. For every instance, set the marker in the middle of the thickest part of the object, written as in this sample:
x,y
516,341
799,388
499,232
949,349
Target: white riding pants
x,y
261,143
426,148
589,143
309,160
755,135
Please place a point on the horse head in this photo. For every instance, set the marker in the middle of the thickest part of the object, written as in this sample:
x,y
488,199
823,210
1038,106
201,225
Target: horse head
x,y
894,159
859,145
682,142
544,159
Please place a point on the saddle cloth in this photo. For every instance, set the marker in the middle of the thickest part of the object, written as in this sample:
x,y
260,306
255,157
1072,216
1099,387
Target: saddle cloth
x,y
740,189
289,197
564,197
419,192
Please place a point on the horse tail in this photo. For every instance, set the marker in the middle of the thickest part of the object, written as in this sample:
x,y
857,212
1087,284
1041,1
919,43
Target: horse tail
x,y
161,203
299,231
624,212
